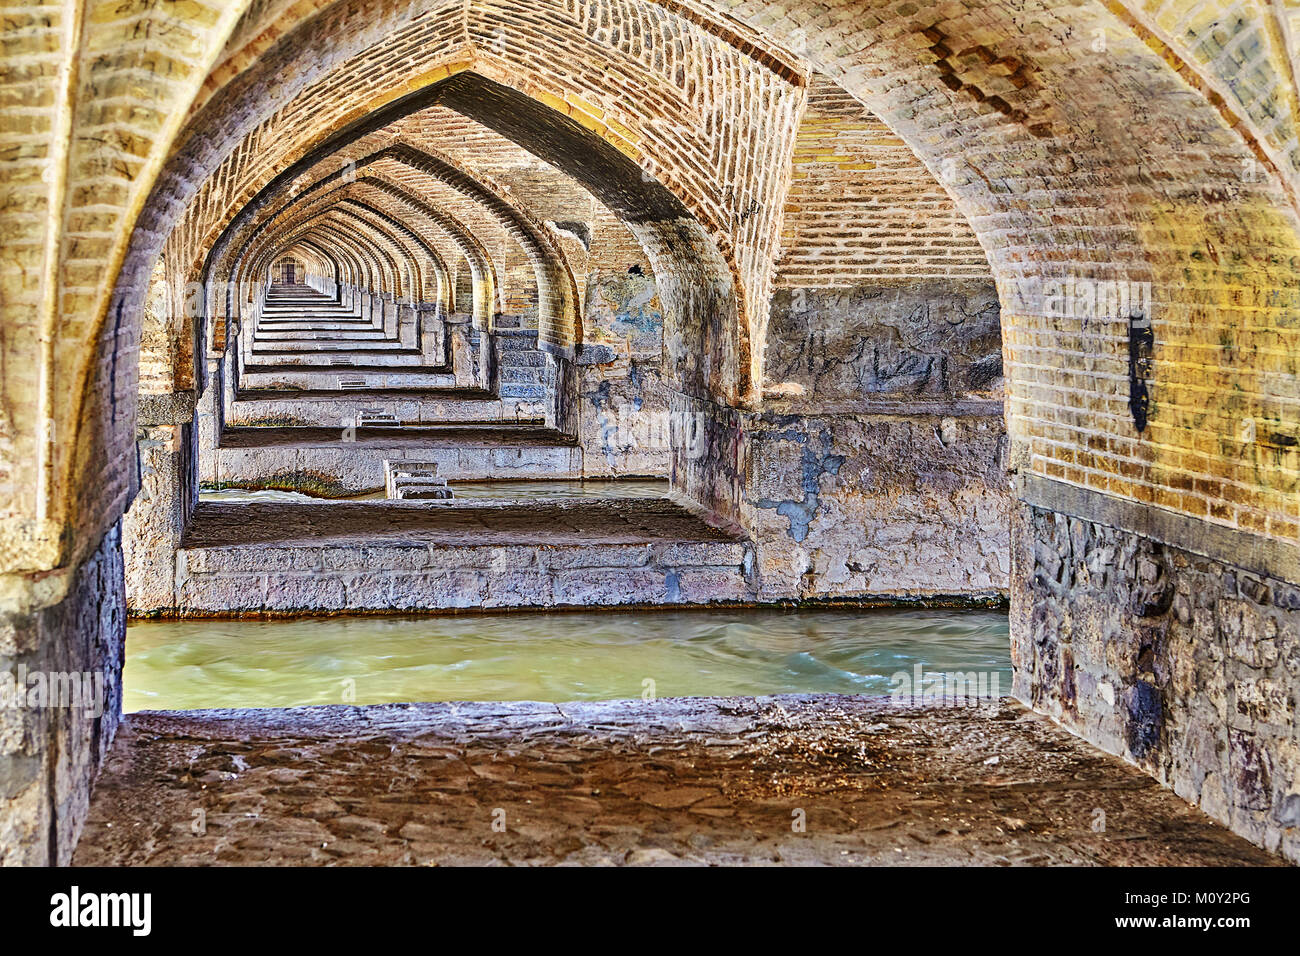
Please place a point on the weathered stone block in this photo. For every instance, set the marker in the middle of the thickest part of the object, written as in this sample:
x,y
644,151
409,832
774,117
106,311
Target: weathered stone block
x,y
1199,694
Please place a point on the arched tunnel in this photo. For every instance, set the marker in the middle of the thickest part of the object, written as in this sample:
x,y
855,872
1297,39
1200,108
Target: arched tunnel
x,y
793,352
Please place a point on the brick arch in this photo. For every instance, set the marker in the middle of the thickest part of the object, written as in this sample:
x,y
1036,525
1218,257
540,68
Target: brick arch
x,y
1103,139
369,265
365,262
390,241
434,291
159,326
651,102
422,270
442,252
559,318
361,263
519,61
382,180
372,246
470,248
314,261
222,256
1074,164
727,366
503,249
1246,66
325,232
336,266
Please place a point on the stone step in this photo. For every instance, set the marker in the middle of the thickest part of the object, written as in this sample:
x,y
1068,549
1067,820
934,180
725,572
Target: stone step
x,y
516,343
430,407
372,360
319,325
532,393
351,460
343,319
520,376
432,437
365,337
336,345
520,359
334,323
270,310
421,555
327,305
283,378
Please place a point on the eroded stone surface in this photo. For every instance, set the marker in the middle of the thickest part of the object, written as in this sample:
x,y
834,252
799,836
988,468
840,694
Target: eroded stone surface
x,y
1185,665
674,781
60,703
391,555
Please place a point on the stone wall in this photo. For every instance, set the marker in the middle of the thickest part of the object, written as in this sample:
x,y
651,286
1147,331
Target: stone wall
x,y
153,525
623,309
905,504
49,754
335,567
624,426
1185,665
851,347
879,506
878,467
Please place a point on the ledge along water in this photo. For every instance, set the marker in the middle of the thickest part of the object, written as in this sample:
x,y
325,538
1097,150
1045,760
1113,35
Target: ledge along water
x,y
505,490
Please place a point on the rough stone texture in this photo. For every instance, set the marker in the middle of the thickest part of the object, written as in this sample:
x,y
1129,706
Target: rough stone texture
x,y
152,527
624,307
49,755
1015,108
406,404
668,782
844,348
624,424
1186,666
220,134
879,506
391,556
353,461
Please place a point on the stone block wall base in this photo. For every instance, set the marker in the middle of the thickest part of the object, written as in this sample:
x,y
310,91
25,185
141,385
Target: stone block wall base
x,y
412,577
1187,666
354,468
52,740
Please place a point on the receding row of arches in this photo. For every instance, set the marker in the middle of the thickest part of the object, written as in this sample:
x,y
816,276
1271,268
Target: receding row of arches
x,y
717,179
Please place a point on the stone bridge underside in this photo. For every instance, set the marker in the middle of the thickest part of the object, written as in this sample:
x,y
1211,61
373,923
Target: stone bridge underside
x,y
967,302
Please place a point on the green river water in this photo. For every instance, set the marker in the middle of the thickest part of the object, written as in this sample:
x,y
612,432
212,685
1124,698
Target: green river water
x,y
177,665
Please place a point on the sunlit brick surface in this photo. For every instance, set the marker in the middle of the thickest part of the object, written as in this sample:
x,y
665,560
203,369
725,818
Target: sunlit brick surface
x,y
780,221
1067,121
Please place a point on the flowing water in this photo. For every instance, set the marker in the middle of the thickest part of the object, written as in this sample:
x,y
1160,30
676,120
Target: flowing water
x,y
179,665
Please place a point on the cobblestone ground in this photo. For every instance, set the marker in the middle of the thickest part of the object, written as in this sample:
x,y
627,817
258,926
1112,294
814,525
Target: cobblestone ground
x,y
769,780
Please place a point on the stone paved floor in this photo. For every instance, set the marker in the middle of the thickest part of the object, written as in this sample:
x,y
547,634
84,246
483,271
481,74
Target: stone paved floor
x,y
717,780
220,524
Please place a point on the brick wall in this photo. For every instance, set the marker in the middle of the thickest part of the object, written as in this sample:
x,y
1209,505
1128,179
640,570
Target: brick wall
x,y
862,208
